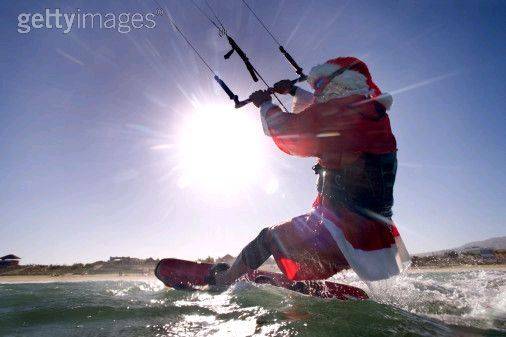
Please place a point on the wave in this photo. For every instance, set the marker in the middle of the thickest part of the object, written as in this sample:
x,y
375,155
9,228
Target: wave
x,y
425,304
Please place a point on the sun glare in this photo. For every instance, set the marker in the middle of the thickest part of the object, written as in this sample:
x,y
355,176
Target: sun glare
x,y
220,150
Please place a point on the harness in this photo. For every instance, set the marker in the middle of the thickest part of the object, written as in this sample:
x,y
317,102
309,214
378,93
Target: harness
x,y
365,186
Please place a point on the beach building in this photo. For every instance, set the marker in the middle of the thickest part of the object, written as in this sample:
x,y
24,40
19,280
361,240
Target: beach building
x,y
9,261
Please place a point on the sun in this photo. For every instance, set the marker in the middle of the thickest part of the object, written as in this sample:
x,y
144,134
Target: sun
x,y
219,150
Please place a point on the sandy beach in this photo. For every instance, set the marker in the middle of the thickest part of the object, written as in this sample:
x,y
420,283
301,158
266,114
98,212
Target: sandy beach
x,y
74,278
456,269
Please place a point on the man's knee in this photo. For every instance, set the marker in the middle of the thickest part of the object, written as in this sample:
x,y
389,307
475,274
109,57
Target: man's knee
x,y
258,250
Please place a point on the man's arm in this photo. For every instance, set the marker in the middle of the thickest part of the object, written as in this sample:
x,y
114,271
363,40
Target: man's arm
x,y
294,134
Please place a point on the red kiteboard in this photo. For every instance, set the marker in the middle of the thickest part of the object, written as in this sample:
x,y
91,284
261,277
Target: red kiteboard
x,y
182,274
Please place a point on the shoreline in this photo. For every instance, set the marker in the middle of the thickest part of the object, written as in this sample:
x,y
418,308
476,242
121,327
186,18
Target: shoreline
x,y
16,279
433,269
19,279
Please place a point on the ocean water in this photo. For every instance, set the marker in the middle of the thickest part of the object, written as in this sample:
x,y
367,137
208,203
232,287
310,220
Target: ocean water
x,y
471,303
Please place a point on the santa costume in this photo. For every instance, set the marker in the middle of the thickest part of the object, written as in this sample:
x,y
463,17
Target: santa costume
x,y
345,125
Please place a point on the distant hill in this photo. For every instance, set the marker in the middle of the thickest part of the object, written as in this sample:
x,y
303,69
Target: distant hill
x,y
494,243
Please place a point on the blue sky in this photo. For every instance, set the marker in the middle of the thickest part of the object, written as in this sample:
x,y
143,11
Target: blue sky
x,y
90,123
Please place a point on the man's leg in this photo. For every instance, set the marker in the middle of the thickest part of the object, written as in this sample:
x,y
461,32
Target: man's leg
x,y
302,247
251,257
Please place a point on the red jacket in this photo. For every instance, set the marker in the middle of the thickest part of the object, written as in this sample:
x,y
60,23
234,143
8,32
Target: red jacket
x,y
336,132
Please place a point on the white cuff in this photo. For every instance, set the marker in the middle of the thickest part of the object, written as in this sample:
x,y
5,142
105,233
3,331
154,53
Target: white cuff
x,y
301,100
264,108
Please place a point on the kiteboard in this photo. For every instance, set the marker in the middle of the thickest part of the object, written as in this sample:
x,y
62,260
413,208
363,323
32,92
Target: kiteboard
x,y
189,275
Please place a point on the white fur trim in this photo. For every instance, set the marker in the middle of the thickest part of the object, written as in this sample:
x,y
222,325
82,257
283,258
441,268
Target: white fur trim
x,y
371,265
386,100
321,70
349,78
264,108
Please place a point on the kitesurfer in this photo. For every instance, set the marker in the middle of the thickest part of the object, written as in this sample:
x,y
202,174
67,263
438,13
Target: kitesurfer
x,y
344,124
